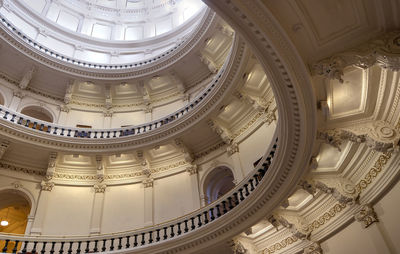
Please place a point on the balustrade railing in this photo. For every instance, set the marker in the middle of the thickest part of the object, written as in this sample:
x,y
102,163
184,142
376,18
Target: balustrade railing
x,y
63,131
148,236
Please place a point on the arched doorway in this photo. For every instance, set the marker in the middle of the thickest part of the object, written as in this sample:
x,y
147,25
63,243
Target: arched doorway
x,y
218,182
14,211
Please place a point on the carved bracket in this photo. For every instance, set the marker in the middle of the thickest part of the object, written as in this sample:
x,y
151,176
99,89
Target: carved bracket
x,y
383,51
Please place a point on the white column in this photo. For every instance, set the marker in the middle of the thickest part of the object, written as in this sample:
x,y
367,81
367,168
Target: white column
x,y
97,211
63,116
29,224
238,173
378,240
148,202
107,120
203,200
194,183
41,207
16,100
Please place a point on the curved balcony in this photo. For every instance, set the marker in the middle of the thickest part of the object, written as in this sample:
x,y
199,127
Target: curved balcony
x,y
80,67
155,235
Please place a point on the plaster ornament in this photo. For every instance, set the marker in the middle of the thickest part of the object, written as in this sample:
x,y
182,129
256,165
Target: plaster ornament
x,y
26,79
383,51
232,148
3,147
341,189
18,94
210,64
68,93
314,248
308,186
64,108
224,133
238,248
147,183
46,185
17,184
366,215
294,223
99,187
192,169
377,135
51,166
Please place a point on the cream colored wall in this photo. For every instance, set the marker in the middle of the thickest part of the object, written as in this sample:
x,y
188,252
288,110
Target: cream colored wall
x,y
173,197
123,208
381,237
253,147
68,211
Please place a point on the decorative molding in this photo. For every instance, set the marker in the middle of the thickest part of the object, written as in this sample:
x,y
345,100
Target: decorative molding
x,y
232,148
192,170
342,189
325,217
313,248
51,165
46,185
99,187
22,169
373,172
280,245
16,184
366,215
238,248
383,51
26,79
147,183
377,135
3,147
294,223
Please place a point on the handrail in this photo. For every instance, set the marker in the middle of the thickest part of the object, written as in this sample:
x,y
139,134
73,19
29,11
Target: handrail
x,y
148,236
74,132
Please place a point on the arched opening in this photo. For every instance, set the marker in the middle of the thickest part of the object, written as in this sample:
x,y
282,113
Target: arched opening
x,y
14,212
1,99
38,113
218,182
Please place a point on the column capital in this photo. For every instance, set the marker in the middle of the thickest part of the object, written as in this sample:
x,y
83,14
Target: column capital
x,y
99,187
313,248
47,185
366,215
147,183
192,170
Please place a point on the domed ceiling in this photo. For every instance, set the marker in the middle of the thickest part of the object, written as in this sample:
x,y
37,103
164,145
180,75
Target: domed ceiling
x,y
104,31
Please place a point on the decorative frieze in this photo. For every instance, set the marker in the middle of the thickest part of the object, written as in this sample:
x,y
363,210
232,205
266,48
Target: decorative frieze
x,y
383,51
366,215
377,135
